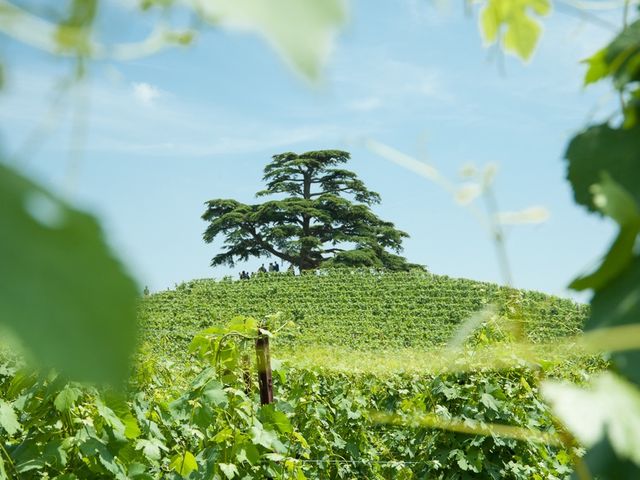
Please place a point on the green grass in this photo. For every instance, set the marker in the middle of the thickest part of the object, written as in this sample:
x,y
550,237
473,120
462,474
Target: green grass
x,y
352,310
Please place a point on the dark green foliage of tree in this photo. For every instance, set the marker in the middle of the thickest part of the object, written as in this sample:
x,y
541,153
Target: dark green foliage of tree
x,y
323,220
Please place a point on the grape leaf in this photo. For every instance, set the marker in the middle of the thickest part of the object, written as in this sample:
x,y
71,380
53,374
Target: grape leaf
x,y
61,290
521,32
184,464
8,418
623,55
619,304
598,149
66,398
301,31
151,448
612,406
229,470
604,464
614,201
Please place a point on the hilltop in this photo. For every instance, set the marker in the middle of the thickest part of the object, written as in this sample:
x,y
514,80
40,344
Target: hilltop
x,y
357,310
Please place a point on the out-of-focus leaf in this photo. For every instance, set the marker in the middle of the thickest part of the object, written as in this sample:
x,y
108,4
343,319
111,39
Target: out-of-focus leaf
x,y
619,304
604,149
531,215
611,406
604,464
511,20
614,201
467,193
61,289
623,55
302,31
598,67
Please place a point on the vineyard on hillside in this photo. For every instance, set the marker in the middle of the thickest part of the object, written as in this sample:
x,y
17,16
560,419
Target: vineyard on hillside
x,y
355,309
192,408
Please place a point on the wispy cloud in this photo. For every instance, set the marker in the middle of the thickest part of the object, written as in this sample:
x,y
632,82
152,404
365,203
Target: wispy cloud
x,y
174,127
365,104
145,93
374,79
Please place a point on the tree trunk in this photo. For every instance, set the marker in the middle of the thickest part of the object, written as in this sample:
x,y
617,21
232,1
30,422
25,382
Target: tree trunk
x,y
305,251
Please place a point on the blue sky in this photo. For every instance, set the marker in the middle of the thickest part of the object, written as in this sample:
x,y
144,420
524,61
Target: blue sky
x,y
166,133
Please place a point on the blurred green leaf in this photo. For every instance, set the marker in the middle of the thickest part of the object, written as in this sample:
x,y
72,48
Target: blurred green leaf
x,y
61,289
614,201
612,407
623,55
598,149
598,68
619,304
511,20
302,31
604,464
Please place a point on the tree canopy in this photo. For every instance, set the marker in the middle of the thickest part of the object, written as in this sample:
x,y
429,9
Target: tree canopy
x,y
324,218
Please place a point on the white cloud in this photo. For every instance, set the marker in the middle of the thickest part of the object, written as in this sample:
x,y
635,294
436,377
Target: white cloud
x,y
373,79
174,127
145,92
366,104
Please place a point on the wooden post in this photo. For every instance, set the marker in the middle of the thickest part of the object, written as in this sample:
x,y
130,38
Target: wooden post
x,y
265,381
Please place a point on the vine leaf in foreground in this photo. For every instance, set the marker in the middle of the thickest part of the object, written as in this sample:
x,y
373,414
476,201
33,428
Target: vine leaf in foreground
x,y
521,31
62,292
602,148
603,170
612,406
614,201
302,31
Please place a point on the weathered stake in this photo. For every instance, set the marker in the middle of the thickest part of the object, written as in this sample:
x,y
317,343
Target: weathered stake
x,y
265,381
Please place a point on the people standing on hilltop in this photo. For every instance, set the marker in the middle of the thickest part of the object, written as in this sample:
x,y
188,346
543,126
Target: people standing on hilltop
x,y
271,267
262,269
276,267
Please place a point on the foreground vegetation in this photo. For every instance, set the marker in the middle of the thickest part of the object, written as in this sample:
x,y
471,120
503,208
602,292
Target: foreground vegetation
x,y
192,410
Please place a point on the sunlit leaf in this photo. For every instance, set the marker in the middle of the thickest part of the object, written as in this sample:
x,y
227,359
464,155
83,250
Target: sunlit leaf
x,y
184,464
598,67
229,470
61,289
302,31
67,398
612,407
511,22
8,418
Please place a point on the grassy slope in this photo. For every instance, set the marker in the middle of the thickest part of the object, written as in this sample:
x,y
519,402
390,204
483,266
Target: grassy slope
x,y
360,311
